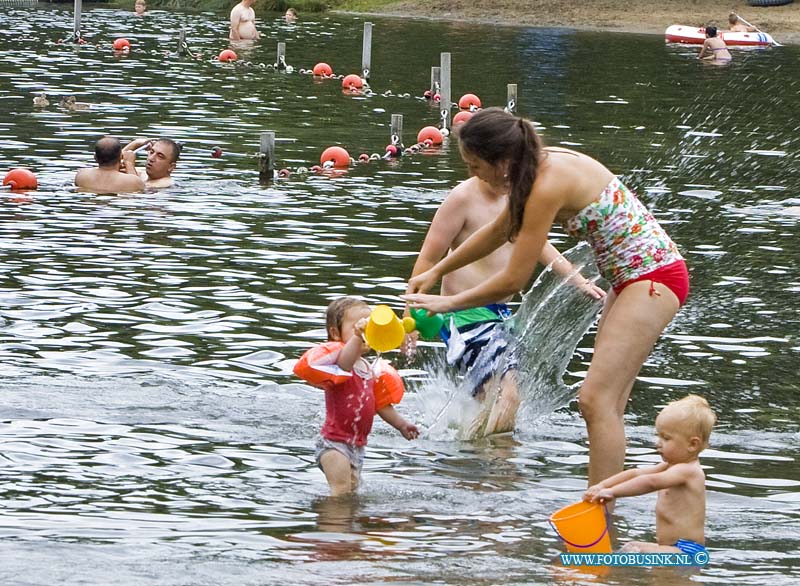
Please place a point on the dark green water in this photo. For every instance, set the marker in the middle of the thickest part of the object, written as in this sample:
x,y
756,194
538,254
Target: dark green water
x,y
151,431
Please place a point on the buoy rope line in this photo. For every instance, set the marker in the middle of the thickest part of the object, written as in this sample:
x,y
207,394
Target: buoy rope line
x,y
352,83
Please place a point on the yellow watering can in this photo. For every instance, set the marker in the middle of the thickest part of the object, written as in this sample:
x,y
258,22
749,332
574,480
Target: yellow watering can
x,y
385,331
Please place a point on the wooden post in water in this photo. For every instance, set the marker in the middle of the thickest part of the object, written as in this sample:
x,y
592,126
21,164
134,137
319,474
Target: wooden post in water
x,y
181,40
280,62
436,80
444,105
511,100
366,51
266,156
397,130
77,28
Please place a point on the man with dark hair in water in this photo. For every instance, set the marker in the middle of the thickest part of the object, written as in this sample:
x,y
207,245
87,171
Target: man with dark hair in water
x,y
162,157
107,178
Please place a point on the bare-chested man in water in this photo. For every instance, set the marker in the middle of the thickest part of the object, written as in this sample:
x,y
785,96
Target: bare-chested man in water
x,y
106,177
243,22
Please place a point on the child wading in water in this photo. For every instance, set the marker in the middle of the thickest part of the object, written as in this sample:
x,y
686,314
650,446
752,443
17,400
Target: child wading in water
x,y
354,392
683,428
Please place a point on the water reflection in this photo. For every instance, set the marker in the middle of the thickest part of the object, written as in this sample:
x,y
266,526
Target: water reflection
x,y
150,422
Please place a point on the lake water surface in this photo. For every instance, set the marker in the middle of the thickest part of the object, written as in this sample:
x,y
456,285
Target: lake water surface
x,y
151,431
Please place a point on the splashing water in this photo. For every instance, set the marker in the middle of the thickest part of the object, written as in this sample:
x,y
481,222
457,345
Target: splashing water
x,y
551,320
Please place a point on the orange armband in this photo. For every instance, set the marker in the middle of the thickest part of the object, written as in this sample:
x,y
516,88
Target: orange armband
x,y
389,387
318,366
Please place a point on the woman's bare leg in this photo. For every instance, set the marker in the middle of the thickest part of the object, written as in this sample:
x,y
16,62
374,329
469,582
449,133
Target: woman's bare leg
x,y
630,327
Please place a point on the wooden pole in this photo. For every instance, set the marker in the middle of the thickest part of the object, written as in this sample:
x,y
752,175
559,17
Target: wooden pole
x,y
77,28
511,100
397,130
444,105
436,80
280,62
181,40
266,157
366,51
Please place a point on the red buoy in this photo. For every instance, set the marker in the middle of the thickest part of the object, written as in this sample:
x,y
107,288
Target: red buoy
x,y
335,156
430,133
352,82
122,44
462,117
216,152
227,55
469,102
20,179
323,70
363,157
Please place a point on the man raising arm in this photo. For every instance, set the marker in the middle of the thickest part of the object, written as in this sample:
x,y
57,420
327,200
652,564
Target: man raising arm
x,y
162,157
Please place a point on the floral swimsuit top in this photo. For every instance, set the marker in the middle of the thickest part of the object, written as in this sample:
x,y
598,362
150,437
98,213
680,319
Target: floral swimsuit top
x,y
627,240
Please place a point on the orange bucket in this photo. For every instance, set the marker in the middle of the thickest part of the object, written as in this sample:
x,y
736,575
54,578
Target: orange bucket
x,y
583,527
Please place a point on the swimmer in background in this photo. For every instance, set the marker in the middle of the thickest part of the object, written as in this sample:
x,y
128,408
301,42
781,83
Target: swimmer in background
x,y
291,15
162,158
140,7
106,177
243,22
714,48
682,429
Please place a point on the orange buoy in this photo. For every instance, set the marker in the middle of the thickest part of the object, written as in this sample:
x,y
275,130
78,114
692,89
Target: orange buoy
x,y
335,156
352,82
430,133
122,44
20,179
363,157
227,55
469,102
462,117
323,69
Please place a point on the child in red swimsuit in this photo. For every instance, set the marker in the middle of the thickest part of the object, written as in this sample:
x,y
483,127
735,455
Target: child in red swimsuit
x,y
354,391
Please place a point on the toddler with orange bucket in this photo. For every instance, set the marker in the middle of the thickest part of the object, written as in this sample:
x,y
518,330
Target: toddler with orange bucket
x,y
682,428
354,392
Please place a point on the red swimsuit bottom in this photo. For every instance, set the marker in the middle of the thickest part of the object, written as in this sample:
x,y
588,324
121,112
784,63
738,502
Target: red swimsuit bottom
x,y
674,276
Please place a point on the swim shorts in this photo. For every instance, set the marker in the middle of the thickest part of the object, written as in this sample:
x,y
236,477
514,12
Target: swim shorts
x,y
688,546
478,345
355,454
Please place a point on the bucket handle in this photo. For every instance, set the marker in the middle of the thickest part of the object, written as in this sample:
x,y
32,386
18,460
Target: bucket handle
x,y
595,542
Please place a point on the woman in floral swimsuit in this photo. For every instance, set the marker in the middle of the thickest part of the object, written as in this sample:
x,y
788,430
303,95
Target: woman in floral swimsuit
x,y
648,275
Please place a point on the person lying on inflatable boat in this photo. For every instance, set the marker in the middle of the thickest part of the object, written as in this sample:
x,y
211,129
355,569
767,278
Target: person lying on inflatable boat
x,y
354,392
